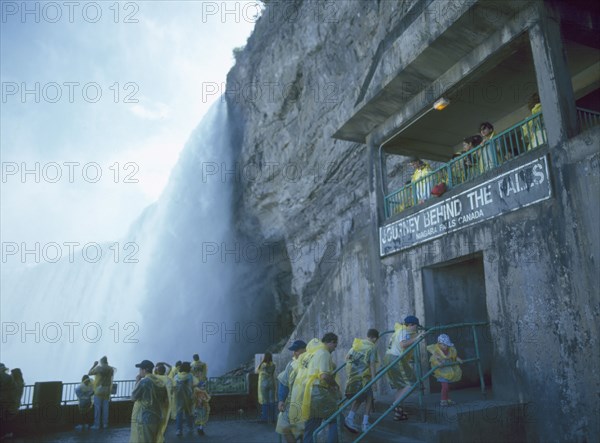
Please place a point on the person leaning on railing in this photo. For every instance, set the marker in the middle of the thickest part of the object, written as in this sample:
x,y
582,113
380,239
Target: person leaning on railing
x,y
533,131
84,392
489,152
421,184
472,166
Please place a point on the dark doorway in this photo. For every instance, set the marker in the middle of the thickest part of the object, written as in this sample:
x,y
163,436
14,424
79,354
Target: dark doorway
x,y
454,292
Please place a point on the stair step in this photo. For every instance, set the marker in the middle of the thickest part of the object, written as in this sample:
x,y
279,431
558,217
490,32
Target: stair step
x,y
379,435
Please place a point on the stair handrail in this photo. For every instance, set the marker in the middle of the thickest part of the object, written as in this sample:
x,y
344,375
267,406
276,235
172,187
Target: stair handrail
x,y
343,365
384,371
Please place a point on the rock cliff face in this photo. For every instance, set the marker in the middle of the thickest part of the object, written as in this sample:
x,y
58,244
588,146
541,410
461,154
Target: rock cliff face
x,y
301,190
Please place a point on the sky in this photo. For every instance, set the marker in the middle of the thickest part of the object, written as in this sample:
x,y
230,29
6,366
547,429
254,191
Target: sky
x,y
98,99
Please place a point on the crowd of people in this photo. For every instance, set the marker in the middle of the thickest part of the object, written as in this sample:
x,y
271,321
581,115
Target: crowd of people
x,y
161,393
308,390
305,393
478,154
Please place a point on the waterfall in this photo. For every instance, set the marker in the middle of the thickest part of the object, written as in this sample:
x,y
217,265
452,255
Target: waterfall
x,y
166,292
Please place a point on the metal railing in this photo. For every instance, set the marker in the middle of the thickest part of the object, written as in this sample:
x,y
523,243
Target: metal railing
x,y
587,118
520,138
415,346
122,390
227,385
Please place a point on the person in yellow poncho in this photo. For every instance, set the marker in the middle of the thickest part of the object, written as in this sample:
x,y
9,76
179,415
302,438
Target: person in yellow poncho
x,y
201,407
160,371
173,370
402,376
266,388
290,432
444,352
183,390
534,133
103,379
422,184
315,392
151,403
361,367
199,369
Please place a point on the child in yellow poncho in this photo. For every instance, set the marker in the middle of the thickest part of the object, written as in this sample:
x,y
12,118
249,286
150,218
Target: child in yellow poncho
x,y
444,352
201,407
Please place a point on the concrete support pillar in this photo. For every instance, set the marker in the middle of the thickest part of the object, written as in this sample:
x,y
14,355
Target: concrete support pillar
x,y
553,77
376,167
376,196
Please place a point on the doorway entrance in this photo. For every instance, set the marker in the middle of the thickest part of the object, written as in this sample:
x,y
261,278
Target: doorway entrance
x,y
454,292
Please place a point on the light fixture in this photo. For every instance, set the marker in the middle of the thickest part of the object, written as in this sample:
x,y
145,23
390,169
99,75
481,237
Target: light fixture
x,y
441,104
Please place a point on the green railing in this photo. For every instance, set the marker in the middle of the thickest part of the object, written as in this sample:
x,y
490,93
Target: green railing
x,y
420,379
587,118
228,385
525,136
121,389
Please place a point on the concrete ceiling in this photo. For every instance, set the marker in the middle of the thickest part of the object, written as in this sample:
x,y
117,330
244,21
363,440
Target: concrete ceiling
x,y
497,92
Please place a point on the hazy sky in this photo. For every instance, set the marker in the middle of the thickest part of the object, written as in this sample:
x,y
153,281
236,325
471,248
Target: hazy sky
x,y
98,99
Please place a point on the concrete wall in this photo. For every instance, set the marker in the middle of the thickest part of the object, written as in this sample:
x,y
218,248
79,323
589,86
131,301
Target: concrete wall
x,y
540,265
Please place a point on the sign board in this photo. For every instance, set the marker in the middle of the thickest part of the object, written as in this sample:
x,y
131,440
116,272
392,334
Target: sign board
x,y
512,190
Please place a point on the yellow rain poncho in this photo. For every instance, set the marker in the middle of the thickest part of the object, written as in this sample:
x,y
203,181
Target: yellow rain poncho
x,y
183,392
200,370
423,187
151,402
266,383
450,373
201,406
534,134
311,396
168,382
358,369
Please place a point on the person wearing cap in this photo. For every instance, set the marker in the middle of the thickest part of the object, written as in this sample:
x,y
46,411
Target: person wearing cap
x,y
361,368
84,392
103,379
402,376
150,397
315,392
443,352
290,432
183,393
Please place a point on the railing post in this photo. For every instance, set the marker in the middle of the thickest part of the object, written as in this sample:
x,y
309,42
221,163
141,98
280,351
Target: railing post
x,y
419,375
478,361
413,187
